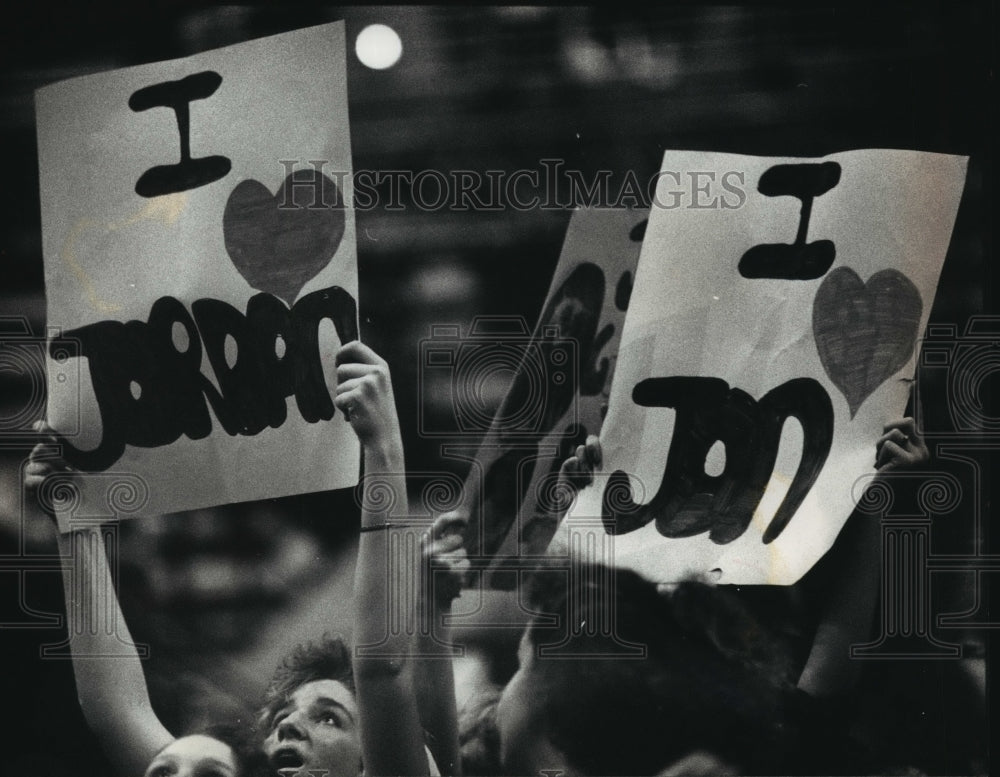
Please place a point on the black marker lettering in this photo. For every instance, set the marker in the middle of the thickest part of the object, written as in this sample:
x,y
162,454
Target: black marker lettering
x,y
799,260
189,173
689,501
150,391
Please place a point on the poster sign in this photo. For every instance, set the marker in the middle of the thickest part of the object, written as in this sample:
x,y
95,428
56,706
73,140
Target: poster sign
x,y
772,333
201,271
560,390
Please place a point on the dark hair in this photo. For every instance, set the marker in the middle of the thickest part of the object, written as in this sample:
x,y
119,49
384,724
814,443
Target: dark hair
x,y
248,757
701,680
329,659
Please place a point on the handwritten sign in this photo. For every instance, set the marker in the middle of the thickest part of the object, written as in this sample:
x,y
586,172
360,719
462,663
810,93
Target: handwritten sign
x,y
201,271
771,335
511,490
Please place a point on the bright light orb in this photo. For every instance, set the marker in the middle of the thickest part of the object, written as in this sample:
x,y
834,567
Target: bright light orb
x,y
378,46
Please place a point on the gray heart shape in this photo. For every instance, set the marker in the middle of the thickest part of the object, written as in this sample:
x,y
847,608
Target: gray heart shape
x,y
865,332
279,243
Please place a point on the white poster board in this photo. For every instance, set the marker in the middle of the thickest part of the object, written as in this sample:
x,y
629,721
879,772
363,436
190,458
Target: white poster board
x,y
771,335
581,323
201,271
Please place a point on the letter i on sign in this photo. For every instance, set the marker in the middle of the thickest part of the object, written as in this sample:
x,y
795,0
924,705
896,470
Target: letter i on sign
x,y
189,173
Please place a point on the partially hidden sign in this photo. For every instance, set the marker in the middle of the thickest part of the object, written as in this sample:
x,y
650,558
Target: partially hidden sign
x,y
201,271
770,337
561,385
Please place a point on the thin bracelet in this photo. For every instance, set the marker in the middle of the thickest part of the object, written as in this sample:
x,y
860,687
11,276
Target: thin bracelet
x,y
396,525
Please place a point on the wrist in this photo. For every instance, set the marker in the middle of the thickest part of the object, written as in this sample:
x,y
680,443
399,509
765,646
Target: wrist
x,y
385,457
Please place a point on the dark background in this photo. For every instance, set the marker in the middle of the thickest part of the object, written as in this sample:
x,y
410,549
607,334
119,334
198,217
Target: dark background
x,y
609,87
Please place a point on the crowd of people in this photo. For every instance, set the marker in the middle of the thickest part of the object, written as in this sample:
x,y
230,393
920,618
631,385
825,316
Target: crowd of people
x,y
722,680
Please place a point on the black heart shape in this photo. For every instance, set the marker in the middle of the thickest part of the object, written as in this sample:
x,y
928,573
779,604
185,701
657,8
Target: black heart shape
x,y
279,243
865,332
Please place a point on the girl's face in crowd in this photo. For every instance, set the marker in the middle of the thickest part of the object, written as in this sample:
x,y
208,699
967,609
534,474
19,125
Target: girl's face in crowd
x,y
316,732
194,756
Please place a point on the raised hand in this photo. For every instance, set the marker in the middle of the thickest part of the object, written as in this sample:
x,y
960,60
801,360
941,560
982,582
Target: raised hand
x,y
577,472
900,446
45,461
364,395
446,558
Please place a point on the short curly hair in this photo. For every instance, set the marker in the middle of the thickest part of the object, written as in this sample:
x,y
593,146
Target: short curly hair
x,y
328,659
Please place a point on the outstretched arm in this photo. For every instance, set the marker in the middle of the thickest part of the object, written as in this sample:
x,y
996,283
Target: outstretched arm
x,y
110,683
391,735
847,619
446,564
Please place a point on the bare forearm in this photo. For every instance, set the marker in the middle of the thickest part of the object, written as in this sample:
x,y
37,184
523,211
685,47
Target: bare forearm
x,y
851,606
847,619
110,682
382,577
435,684
384,591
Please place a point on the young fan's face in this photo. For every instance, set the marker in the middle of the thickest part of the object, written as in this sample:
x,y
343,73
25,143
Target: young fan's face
x,y
193,756
316,732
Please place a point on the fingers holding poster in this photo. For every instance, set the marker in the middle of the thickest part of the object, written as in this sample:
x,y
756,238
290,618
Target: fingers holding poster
x,y
201,269
745,408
